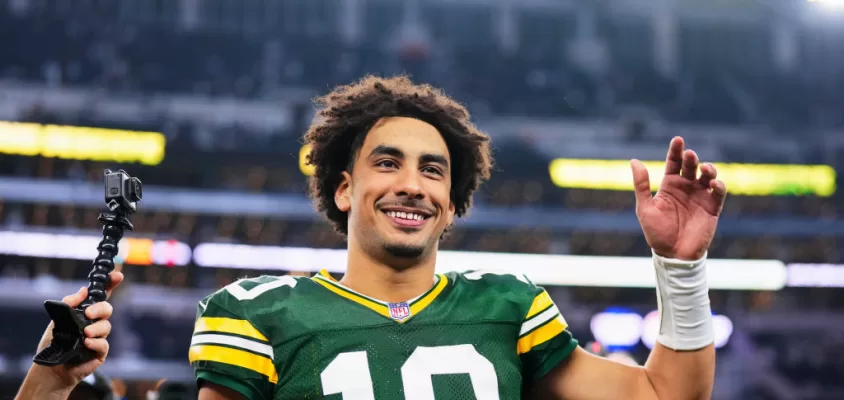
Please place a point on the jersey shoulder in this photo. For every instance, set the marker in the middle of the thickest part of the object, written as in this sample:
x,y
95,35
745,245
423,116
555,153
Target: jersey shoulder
x,y
493,282
250,297
504,291
232,343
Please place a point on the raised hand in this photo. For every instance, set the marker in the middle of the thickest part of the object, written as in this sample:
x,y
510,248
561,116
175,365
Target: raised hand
x,y
65,377
680,220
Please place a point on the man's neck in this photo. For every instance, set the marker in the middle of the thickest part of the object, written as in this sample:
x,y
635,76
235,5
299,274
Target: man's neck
x,y
375,279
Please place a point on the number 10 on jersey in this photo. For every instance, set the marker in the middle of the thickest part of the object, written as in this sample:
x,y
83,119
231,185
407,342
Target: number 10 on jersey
x,y
348,374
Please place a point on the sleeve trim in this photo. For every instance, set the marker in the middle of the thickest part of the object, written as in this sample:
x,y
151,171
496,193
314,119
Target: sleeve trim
x,y
551,329
556,359
543,318
240,327
540,303
246,390
236,357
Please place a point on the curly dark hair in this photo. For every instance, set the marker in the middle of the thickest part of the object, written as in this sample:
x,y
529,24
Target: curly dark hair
x,y
346,115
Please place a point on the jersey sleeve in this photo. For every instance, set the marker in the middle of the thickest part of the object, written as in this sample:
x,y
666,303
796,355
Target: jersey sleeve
x,y
229,350
544,338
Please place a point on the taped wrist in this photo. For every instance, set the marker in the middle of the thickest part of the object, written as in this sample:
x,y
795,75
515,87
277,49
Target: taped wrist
x,y
682,295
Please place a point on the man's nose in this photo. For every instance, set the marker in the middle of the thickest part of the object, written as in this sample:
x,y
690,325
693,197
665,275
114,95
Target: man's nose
x,y
410,185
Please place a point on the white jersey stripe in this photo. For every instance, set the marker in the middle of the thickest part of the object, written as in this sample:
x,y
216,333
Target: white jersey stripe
x,y
233,341
539,319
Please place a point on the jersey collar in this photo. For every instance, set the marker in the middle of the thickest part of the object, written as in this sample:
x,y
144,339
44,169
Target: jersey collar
x,y
398,312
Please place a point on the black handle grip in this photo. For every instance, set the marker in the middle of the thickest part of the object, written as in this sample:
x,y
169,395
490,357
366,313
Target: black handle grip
x,y
122,193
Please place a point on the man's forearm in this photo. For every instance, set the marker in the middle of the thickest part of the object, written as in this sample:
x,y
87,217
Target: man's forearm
x,y
682,364
681,374
39,386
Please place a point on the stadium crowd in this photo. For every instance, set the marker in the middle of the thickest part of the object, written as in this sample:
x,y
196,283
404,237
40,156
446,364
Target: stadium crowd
x,y
724,77
723,71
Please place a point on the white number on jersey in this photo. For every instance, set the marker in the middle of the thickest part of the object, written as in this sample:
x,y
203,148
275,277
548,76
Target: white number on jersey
x,y
242,294
348,374
476,275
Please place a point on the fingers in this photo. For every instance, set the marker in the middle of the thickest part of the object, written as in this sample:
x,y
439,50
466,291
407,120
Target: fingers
x,y
99,329
690,164
708,173
719,192
115,279
681,161
101,310
674,160
641,182
99,346
77,298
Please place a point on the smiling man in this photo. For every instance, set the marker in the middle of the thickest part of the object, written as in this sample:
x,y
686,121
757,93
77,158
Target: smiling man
x,y
395,163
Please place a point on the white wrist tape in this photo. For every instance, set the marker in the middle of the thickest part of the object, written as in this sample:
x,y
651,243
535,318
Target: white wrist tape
x,y
682,294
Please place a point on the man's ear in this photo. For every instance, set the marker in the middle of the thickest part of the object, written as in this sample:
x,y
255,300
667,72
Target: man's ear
x,y
342,196
449,215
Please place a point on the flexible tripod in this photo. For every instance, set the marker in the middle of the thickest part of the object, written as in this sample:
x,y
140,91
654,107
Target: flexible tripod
x,y
122,193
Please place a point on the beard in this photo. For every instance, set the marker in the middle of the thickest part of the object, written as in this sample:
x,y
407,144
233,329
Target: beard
x,y
403,250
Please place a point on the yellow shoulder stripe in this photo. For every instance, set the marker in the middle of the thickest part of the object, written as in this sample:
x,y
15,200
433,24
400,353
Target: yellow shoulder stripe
x,y
240,327
239,358
540,303
541,335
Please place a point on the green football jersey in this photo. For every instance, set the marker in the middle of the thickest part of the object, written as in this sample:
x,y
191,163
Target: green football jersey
x,y
473,335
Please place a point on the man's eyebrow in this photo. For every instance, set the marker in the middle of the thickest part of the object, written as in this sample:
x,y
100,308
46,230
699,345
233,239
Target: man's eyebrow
x,y
426,158
431,158
384,150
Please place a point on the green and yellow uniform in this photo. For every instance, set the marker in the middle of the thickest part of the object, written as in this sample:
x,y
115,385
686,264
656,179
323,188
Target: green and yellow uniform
x,y
473,335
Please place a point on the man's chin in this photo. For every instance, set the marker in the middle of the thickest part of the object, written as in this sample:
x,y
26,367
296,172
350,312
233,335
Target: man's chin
x,y
404,250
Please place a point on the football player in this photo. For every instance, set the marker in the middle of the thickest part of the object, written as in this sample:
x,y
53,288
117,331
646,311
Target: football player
x,y
395,163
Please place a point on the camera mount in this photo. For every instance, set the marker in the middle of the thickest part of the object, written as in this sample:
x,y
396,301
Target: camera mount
x,y
122,194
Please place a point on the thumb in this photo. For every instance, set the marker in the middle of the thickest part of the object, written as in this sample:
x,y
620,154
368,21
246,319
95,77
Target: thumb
x,y
641,183
77,298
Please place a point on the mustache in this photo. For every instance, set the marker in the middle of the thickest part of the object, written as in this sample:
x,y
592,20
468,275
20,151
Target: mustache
x,y
409,203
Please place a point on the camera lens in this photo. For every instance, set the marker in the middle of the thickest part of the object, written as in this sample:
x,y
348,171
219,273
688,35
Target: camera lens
x,y
138,189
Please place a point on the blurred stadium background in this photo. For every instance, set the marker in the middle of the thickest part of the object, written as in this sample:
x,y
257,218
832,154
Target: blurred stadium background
x,y
205,101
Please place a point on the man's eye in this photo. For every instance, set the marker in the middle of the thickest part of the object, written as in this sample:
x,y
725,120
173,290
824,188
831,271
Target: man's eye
x,y
432,170
386,164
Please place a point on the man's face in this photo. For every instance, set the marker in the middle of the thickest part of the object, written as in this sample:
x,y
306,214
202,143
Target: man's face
x,y
398,194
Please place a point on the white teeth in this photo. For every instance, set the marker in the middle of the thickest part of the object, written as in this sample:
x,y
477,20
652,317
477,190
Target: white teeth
x,y
404,215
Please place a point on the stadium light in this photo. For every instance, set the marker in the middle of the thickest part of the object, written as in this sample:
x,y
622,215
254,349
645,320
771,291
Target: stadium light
x,y
617,328
624,329
722,325
81,143
829,3
741,179
134,251
543,269
306,168
550,270
816,275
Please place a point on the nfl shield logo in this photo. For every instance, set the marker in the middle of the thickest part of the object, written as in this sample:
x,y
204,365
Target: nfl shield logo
x,y
399,311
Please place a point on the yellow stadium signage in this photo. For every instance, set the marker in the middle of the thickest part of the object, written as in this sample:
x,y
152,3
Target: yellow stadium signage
x,y
306,168
741,179
81,143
